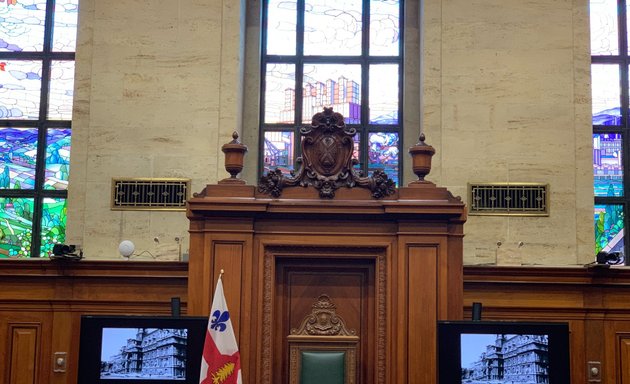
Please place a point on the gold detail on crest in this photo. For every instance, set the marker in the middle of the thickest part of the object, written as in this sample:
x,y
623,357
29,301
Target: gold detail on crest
x,y
223,373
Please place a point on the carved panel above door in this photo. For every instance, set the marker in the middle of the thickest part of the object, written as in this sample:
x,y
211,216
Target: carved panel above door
x,y
323,343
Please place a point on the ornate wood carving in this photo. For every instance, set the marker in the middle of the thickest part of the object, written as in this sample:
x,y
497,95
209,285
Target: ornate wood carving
x,y
323,320
267,316
323,330
381,310
294,366
327,162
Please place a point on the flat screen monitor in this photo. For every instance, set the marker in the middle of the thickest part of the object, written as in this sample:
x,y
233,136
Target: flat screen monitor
x,y
141,349
480,352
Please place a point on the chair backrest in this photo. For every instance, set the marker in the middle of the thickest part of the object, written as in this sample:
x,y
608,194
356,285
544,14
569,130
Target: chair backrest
x,y
322,349
323,367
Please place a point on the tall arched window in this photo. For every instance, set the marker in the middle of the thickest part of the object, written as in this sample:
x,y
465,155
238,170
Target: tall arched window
x,y
345,54
37,44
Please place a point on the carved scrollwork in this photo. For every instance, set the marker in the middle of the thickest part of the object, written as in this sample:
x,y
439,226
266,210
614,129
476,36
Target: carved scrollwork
x,y
326,162
271,183
323,321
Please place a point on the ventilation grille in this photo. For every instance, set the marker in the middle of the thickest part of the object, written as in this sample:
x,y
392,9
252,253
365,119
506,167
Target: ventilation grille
x,y
527,199
150,194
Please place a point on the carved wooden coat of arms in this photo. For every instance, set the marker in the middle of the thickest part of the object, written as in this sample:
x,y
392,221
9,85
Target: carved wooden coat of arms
x,y
326,162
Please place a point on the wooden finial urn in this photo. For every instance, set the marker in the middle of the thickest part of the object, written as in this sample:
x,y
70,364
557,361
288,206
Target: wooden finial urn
x,y
421,154
234,154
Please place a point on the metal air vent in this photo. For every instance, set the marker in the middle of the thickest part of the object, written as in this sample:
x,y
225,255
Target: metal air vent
x,y
150,194
513,199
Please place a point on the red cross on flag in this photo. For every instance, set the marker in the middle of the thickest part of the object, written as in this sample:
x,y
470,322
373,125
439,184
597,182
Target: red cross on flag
x,y
221,361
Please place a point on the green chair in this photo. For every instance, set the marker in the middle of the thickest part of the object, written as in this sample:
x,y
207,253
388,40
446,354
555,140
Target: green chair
x,y
322,350
319,367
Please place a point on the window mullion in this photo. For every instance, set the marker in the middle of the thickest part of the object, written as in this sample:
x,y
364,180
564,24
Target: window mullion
x,y
365,88
299,79
623,61
36,237
625,102
40,163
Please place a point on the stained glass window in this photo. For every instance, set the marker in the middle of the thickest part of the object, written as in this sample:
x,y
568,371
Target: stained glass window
x,y
333,27
22,26
384,94
608,164
383,153
21,89
278,151
344,54
61,90
609,228
16,224
604,31
605,91
610,101
57,159
281,24
334,85
18,147
280,93
37,43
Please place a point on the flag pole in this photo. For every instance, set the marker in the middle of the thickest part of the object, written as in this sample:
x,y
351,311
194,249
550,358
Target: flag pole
x,y
221,274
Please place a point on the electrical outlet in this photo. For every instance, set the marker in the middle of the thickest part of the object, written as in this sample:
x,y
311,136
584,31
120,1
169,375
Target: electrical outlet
x,y
594,371
60,361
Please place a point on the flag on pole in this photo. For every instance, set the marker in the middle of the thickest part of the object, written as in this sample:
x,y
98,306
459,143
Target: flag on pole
x,y
221,361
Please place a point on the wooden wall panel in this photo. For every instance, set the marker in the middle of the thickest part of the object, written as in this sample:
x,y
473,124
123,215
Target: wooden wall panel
x,y
24,351
577,329
616,353
223,244
595,302
228,256
24,346
65,325
623,358
422,306
52,297
41,303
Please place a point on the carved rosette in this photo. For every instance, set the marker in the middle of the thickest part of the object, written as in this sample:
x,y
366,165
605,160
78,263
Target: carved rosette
x,y
327,162
323,321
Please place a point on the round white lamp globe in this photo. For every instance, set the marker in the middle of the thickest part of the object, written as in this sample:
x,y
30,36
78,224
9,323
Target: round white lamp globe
x,y
126,248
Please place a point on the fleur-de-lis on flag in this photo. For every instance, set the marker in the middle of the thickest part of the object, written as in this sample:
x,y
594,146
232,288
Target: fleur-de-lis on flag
x,y
219,319
221,361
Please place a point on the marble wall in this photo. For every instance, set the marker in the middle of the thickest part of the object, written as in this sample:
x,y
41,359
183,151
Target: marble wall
x,y
158,91
504,97
507,98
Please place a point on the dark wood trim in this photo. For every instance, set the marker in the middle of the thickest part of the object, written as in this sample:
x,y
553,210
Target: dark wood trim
x,y
93,268
557,275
